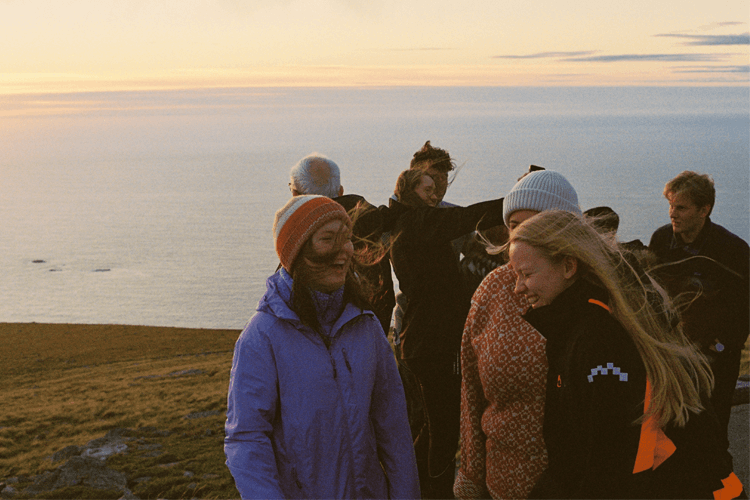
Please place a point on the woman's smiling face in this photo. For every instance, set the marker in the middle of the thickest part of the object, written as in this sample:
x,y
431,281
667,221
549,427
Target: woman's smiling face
x,y
328,256
538,278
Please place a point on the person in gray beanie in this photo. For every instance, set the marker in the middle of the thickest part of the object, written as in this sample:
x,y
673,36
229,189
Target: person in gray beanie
x,y
504,366
538,191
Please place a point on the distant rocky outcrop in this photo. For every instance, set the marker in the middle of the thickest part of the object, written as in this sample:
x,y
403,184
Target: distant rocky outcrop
x,y
101,448
85,466
85,471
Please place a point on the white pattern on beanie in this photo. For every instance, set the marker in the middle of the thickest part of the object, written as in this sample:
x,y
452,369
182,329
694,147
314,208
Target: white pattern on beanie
x,y
283,214
541,190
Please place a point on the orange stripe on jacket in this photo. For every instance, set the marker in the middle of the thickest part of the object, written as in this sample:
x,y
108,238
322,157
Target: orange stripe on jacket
x,y
732,488
599,303
654,446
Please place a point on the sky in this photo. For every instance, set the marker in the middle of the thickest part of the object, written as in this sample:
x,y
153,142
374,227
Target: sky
x,y
92,45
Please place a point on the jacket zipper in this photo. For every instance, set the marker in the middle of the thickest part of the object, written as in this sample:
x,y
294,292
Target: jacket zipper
x,y
296,478
329,343
346,360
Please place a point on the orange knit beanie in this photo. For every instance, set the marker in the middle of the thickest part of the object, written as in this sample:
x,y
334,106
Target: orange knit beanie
x,y
296,221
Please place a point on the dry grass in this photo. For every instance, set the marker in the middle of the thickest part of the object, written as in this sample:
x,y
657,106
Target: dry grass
x,y
68,384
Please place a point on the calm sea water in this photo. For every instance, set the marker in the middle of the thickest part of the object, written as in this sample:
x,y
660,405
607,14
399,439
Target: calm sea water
x,y
155,208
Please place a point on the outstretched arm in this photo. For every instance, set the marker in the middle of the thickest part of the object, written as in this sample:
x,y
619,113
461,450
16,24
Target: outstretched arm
x,y
447,224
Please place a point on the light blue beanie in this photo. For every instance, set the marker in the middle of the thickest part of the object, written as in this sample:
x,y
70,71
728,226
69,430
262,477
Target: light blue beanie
x,y
541,190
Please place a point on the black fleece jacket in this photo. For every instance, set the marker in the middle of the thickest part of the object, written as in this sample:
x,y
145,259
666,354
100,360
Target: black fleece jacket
x,y
428,273
596,388
722,308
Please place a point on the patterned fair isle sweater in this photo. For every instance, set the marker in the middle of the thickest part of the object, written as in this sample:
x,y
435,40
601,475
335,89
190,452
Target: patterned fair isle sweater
x,y
504,367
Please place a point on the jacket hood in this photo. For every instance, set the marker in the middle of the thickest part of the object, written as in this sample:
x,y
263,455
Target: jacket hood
x,y
278,299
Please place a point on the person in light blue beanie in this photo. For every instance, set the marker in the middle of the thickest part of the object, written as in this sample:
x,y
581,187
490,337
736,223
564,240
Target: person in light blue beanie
x,y
538,191
504,366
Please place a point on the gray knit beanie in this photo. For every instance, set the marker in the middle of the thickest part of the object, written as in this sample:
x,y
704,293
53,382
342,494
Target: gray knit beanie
x,y
541,190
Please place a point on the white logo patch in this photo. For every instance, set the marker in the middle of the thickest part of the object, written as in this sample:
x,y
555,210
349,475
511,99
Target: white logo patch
x,y
605,371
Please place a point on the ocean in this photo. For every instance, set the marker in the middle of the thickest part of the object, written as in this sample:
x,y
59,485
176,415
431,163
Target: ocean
x,y
155,207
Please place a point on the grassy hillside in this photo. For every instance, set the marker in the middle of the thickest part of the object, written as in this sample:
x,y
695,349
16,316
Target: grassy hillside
x,y
166,388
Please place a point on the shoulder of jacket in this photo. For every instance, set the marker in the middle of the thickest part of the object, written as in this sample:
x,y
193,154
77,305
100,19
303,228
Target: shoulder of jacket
x,y
599,333
663,233
497,286
262,324
364,319
727,237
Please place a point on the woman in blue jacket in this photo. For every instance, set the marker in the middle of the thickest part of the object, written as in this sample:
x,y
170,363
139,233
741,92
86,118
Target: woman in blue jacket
x,y
315,407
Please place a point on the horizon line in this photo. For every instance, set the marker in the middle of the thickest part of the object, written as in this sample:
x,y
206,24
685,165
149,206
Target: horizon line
x,y
101,89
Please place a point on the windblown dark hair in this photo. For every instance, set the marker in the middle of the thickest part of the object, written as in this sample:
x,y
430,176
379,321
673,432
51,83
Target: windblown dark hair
x,y
438,159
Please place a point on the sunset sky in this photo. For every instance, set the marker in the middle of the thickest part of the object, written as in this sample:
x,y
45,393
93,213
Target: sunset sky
x,y
84,45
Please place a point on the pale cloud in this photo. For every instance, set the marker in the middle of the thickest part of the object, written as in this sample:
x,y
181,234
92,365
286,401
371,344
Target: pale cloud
x,y
743,39
650,57
713,26
422,49
586,56
543,55
741,69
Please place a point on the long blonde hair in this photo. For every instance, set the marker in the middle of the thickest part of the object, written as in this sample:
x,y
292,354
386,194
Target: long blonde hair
x,y
678,373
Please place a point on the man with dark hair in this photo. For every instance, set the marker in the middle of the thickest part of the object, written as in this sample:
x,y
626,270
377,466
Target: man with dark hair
x,y
711,265
436,163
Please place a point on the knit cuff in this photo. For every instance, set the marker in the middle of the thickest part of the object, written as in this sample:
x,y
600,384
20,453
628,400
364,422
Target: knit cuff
x,y
465,488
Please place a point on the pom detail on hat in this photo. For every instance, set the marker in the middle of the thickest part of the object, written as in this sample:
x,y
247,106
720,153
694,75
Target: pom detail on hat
x,y
298,220
539,191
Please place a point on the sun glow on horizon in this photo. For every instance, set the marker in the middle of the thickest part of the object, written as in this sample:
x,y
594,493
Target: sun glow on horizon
x,y
108,45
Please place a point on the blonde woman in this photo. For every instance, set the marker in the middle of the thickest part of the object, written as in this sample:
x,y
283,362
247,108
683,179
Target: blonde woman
x,y
623,413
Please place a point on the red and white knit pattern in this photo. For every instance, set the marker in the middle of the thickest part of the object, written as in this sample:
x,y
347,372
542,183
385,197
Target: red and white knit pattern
x,y
504,368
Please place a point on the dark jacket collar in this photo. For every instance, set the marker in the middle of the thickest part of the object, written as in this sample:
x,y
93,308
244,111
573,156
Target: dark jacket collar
x,y
694,247
553,321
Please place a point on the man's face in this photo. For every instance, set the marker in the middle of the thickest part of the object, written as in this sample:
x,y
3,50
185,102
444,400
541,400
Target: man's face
x,y
687,217
441,182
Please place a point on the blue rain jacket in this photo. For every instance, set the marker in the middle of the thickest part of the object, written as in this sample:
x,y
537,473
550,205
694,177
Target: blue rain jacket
x,y
309,421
